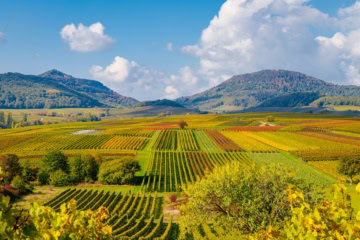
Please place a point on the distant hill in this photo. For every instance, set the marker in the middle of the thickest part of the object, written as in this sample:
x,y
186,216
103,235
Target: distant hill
x,y
164,106
160,102
298,99
54,89
336,101
252,89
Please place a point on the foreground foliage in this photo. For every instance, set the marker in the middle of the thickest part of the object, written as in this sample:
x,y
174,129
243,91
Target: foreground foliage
x,y
331,219
45,223
241,198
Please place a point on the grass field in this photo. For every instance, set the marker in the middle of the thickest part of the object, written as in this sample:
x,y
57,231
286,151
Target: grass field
x,y
170,158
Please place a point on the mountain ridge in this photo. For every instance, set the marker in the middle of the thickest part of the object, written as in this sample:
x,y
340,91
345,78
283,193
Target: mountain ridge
x,y
54,89
251,89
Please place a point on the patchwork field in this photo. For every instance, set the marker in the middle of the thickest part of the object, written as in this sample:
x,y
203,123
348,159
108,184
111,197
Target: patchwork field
x,y
171,158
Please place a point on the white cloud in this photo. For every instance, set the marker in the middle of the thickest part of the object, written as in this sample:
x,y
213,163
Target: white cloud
x,y
131,79
251,35
86,39
171,92
169,46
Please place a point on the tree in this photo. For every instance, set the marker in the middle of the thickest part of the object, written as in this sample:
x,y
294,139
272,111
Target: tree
x,y
2,118
55,160
25,118
91,167
9,120
118,171
11,166
77,171
241,199
350,166
182,124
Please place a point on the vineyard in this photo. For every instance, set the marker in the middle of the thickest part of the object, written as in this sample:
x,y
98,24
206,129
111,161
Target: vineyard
x,y
172,158
169,171
132,215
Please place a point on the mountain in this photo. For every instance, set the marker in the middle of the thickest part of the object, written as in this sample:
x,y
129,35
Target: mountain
x,y
249,90
54,89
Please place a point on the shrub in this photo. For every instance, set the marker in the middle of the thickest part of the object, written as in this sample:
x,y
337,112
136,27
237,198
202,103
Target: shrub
x,y
19,184
118,171
60,178
10,166
172,198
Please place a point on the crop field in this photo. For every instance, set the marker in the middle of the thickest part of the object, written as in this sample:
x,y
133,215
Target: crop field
x,y
132,215
169,171
171,158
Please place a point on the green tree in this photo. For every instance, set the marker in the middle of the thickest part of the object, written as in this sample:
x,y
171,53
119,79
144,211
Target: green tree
x,y
241,199
10,165
118,171
77,171
2,118
9,120
350,166
91,167
55,160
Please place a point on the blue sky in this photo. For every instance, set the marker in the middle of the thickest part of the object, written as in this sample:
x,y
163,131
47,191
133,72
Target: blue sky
x,y
140,34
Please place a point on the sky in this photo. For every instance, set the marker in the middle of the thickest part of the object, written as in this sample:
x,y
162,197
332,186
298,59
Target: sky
x,y
151,49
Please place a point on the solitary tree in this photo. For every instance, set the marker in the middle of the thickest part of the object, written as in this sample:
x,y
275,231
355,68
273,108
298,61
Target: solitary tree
x,y
350,166
182,124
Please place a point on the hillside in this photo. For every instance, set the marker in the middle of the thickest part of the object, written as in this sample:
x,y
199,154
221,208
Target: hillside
x,y
54,89
252,89
298,99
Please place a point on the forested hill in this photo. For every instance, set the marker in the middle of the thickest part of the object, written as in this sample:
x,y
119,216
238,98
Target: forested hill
x,y
252,89
55,89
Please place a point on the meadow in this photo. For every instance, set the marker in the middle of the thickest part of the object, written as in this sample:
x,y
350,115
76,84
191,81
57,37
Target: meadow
x,y
171,158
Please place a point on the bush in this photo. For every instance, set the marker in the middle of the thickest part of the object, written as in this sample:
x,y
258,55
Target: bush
x,y
118,171
19,184
60,178
10,165
172,198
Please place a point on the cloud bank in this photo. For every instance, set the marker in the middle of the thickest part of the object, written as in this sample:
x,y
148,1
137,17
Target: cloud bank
x,y
86,39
